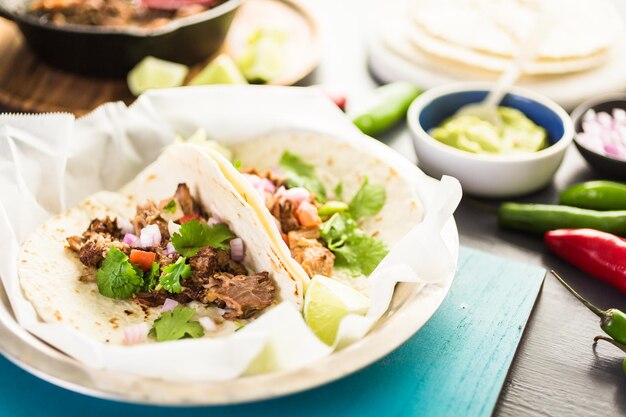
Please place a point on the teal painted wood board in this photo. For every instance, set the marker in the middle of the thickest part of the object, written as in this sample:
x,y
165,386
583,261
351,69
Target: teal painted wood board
x,y
454,366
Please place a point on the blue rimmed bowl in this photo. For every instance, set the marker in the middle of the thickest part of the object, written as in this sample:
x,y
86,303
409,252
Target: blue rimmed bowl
x,y
494,176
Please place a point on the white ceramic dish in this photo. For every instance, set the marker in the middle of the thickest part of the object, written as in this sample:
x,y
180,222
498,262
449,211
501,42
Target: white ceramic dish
x,y
496,176
179,111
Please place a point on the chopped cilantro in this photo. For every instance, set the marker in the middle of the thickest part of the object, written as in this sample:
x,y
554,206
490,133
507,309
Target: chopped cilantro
x,y
237,164
339,191
172,274
356,252
301,174
170,207
117,277
194,235
240,325
151,277
368,200
176,324
360,254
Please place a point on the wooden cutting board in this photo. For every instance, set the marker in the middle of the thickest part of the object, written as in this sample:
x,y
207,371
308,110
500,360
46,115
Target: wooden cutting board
x,y
29,85
454,366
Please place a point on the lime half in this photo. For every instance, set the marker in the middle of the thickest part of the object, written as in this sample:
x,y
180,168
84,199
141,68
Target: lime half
x,y
326,302
152,73
222,70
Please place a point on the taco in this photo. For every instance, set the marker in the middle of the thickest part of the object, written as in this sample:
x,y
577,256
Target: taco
x,y
333,208
176,253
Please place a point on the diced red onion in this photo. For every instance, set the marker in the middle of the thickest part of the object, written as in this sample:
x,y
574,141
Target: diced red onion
x,y
173,227
268,186
604,133
255,180
237,249
169,305
130,239
297,195
136,333
150,236
207,324
604,119
214,220
125,225
170,249
619,116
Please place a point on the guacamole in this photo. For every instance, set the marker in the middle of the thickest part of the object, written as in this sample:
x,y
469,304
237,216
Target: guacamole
x,y
471,134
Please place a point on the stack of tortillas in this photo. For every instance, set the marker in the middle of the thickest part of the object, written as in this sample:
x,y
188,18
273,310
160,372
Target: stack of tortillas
x,y
478,39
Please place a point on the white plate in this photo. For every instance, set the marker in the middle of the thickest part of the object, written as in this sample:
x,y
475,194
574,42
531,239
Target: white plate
x,y
287,108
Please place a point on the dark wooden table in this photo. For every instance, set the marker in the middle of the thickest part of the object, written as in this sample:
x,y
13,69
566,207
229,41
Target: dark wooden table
x,y
556,372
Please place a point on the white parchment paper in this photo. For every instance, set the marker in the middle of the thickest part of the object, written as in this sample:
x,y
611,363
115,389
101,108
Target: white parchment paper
x,y
51,162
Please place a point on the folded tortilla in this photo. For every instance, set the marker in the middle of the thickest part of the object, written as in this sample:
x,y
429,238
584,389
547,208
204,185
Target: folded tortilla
x,y
59,286
334,161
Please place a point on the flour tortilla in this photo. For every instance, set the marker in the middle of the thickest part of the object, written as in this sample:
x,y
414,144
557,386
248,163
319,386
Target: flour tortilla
x,y
488,34
50,274
334,161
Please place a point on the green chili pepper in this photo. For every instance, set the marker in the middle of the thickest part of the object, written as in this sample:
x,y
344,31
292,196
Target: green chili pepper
x,y
540,218
388,105
596,195
614,343
331,207
612,321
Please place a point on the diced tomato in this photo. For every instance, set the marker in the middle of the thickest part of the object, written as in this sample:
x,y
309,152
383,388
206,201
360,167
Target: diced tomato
x,y
188,217
307,215
142,259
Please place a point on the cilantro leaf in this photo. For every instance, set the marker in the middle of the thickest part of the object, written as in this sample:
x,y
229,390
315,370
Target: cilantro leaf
x,y
368,200
176,324
339,191
151,277
356,253
194,235
360,254
172,274
337,230
237,164
301,174
170,207
117,277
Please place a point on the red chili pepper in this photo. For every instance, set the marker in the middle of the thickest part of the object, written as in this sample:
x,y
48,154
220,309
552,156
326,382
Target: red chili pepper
x,y
600,254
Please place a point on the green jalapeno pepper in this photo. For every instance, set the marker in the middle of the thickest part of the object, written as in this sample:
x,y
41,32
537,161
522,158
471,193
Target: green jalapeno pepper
x,y
388,105
540,218
612,321
596,195
614,343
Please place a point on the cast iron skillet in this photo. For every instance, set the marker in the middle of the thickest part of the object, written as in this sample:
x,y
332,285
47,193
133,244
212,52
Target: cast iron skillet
x,y
112,52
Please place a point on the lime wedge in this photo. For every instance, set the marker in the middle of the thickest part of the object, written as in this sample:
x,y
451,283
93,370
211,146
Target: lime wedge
x,y
152,73
263,59
222,70
326,302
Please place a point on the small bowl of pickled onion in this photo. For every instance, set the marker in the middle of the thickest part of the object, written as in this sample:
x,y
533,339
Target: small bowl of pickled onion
x,y
600,126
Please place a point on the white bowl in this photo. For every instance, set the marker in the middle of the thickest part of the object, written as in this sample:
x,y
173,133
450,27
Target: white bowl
x,y
489,175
